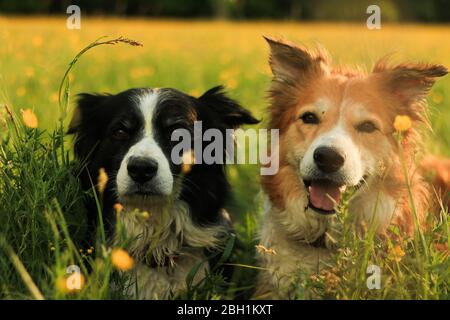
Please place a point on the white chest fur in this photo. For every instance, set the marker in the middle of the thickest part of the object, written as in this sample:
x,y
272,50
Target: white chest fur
x,y
167,232
288,231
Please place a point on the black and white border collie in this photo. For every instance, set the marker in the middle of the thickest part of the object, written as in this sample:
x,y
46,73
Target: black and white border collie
x,y
129,136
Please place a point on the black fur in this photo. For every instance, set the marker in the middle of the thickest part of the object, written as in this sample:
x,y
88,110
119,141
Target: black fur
x,y
205,187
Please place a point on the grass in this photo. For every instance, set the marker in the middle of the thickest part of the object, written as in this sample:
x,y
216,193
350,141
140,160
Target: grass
x,y
41,209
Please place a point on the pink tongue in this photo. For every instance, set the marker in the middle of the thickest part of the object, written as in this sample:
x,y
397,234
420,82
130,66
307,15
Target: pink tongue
x,y
320,195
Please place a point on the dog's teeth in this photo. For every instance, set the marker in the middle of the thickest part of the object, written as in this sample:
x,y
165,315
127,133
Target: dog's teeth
x,y
309,189
342,189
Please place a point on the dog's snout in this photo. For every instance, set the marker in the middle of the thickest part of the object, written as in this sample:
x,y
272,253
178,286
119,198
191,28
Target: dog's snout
x,y
142,169
328,159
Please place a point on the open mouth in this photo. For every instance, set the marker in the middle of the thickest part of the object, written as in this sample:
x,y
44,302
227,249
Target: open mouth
x,y
324,195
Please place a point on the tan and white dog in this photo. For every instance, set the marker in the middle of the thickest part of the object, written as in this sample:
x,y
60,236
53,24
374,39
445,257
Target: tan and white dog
x,y
336,131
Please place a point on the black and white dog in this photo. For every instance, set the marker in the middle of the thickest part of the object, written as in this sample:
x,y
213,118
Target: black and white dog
x,y
129,136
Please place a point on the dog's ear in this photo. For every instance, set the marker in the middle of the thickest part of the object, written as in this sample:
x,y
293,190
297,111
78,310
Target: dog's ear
x,y
409,83
291,63
87,105
85,123
229,111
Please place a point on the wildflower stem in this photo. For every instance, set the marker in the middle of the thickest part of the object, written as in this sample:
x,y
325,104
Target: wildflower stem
x,y
26,278
417,229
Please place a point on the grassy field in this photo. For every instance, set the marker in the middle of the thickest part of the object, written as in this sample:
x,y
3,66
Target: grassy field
x,y
39,197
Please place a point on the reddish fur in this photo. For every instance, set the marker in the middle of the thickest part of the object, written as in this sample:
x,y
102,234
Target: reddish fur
x,y
439,171
300,77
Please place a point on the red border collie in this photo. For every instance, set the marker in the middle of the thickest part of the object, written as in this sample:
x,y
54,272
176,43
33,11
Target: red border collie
x,y
336,131
129,136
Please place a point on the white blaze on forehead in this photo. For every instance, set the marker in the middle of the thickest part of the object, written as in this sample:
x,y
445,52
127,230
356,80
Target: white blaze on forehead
x,y
148,148
357,109
338,137
147,104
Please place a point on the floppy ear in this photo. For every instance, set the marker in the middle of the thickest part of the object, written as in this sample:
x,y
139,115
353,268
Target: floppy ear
x,y
409,82
86,107
229,111
85,123
291,63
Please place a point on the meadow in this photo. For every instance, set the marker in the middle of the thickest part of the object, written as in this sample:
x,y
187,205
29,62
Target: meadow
x,y
40,200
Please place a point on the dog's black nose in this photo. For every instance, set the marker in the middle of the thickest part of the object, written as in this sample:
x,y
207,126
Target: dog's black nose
x,y
328,159
142,169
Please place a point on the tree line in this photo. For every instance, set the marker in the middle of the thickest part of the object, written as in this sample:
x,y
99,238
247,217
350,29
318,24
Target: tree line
x,y
325,10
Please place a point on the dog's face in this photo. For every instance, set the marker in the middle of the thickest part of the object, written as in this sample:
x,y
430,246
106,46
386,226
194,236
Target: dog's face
x,y
129,135
336,126
146,168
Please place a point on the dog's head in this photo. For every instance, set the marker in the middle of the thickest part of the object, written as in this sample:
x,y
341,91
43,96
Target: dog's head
x,y
336,125
130,135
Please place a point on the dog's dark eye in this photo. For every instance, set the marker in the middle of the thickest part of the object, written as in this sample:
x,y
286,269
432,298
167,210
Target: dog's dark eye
x,y
366,126
309,117
120,134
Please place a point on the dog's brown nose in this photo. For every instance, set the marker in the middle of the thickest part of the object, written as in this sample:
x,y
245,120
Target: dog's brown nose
x,y
328,159
142,169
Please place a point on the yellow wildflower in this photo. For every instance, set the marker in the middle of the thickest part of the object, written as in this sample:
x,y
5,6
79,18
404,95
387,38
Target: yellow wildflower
x,y
71,283
194,92
118,207
54,97
29,72
102,180
188,159
231,83
397,253
21,91
121,259
29,118
402,123
37,41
